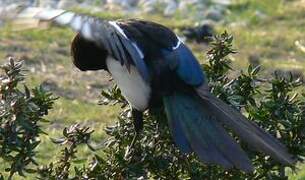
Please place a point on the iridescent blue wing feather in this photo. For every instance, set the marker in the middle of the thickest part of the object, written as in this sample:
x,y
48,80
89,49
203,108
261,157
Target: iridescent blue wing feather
x,y
188,68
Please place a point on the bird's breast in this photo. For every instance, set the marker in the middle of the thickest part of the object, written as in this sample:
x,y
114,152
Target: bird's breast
x,y
132,85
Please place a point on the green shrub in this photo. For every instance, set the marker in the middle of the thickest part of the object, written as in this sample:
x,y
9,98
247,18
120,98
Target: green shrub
x,y
21,113
273,103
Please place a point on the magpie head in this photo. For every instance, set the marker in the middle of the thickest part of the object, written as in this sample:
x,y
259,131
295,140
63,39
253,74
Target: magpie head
x,y
86,55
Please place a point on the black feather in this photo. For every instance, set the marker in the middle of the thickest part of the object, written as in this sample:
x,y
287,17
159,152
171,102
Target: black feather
x,y
248,131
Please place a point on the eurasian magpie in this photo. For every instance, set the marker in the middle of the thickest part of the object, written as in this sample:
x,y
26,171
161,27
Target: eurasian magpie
x,y
153,67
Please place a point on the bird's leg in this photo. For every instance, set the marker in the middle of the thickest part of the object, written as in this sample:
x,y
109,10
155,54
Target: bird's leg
x,y
137,120
138,125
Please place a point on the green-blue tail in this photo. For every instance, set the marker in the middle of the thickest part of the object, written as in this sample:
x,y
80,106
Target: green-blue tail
x,y
196,122
195,130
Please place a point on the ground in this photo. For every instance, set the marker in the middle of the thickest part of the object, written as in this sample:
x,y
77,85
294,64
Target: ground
x,y
270,32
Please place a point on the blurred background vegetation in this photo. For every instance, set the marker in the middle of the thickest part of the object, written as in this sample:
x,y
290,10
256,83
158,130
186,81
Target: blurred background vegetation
x,y
269,33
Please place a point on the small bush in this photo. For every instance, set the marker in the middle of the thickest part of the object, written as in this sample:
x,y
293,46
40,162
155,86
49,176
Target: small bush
x,y
21,113
273,103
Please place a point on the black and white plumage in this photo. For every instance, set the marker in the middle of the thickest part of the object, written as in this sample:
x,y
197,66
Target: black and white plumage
x,y
153,67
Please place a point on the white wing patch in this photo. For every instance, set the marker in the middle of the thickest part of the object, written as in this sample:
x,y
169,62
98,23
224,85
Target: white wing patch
x,y
178,43
65,18
118,28
77,23
138,50
121,31
134,88
86,30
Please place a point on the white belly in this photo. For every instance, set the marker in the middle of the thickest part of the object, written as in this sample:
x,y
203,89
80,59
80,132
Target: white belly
x,y
132,85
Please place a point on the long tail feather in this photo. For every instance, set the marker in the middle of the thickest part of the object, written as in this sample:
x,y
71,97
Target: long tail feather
x,y
193,129
248,131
